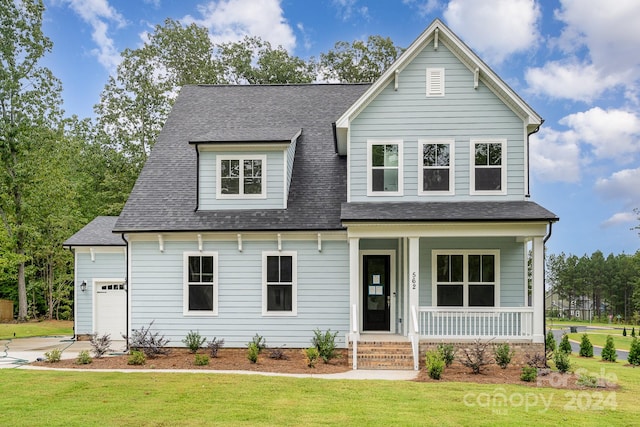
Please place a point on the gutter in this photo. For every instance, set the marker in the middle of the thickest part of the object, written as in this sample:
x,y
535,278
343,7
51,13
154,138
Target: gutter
x,y
528,195
544,282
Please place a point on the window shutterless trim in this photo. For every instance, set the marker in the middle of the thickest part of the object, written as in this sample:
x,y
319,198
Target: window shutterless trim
x,y
186,283
241,159
503,167
294,284
422,168
400,169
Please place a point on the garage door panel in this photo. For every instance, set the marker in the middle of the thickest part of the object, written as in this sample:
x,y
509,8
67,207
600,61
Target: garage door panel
x,y
111,302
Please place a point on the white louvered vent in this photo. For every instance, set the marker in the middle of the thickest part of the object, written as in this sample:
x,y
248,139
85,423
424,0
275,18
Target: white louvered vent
x,y
435,81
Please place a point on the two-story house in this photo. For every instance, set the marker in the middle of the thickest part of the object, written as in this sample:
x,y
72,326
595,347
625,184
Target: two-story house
x,y
395,211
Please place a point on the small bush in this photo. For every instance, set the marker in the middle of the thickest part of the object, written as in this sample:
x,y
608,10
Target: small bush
x,y
201,360
586,348
476,357
624,331
538,360
214,346
562,362
151,344
53,355
634,352
565,345
325,343
259,342
136,357
503,354
83,358
194,341
587,380
448,352
550,346
252,352
609,351
435,364
312,356
277,354
529,374
100,345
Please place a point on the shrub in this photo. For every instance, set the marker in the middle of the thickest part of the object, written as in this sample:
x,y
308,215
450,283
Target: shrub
x,y
252,352
562,362
136,357
194,341
259,342
150,344
529,374
550,346
325,343
435,364
587,380
633,332
214,346
476,357
586,348
312,355
100,345
538,361
634,352
503,354
277,354
53,355
83,358
565,345
201,360
624,331
448,353
609,351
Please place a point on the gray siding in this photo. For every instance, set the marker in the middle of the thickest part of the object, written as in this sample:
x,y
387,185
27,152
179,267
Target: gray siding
x,y
156,290
464,113
512,265
109,265
275,171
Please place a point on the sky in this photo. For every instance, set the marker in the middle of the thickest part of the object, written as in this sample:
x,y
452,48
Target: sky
x,y
576,62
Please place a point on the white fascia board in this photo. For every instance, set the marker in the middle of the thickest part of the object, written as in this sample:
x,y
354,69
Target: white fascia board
x,y
518,230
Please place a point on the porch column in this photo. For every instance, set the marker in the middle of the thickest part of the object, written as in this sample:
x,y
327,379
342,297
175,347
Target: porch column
x,y
354,285
538,289
414,283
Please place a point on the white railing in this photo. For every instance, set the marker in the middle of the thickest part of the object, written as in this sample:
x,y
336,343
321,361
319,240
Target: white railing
x,y
467,322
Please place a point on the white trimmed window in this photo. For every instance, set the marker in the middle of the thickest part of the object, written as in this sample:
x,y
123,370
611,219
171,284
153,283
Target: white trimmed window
x,y
436,174
384,171
241,177
488,165
435,82
200,283
279,284
466,278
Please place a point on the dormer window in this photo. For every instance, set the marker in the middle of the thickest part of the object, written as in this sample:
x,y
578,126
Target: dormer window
x,y
241,177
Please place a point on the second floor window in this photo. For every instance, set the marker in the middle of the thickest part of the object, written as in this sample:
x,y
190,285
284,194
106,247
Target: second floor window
x,y
436,166
241,177
488,167
385,168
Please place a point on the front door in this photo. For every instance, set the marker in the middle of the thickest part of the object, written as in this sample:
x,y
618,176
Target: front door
x,y
376,292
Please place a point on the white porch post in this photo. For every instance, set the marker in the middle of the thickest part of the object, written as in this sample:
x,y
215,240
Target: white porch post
x,y
538,289
414,298
354,300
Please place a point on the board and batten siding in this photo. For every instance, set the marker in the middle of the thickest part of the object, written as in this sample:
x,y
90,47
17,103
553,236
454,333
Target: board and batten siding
x,y
275,183
156,291
512,265
108,264
461,115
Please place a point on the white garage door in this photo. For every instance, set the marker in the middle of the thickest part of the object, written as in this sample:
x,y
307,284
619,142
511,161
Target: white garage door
x,y
111,306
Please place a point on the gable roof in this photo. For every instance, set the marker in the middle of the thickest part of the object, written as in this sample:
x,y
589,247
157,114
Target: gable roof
x,y
98,232
437,30
165,195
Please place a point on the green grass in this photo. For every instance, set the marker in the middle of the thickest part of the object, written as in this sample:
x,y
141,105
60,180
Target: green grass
x,y
554,323
89,398
36,329
599,337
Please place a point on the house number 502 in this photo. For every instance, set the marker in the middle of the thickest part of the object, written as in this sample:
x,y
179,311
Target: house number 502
x,y
413,280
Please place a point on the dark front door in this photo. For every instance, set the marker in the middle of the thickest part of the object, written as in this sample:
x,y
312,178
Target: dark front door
x,y
376,292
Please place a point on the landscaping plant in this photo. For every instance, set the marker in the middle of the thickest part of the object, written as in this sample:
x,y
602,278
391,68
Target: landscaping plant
x,y
136,358
503,354
277,354
624,331
201,360
609,353
550,346
476,357
100,345
565,345
325,343
634,352
312,355
83,358
529,373
448,352
151,344
194,341
434,363
214,346
53,355
259,342
586,348
252,352
562,362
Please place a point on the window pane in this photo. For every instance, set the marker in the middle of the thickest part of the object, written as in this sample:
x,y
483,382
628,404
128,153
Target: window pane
x,y
495,154
224,168
482,154
488,268
474,268
279,298
391,155
252,185
443,268
201,297
207,269
273,269
194,269
488,179
457,269
429,154
230,185
377,176
481,296
390,180
443,155
450,295
436,180
286,271
377,155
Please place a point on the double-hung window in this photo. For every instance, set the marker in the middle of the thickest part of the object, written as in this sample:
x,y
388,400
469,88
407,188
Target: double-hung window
x,y
488,167
384,171
436,167
279,292
200,283
241,177
466,279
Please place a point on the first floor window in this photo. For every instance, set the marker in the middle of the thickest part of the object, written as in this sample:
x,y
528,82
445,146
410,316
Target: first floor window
x,y
241,177
279,291
488,173
385,168
200,283
465,279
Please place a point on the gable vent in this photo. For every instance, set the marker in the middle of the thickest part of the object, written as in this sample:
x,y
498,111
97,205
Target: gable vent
x,y
435,81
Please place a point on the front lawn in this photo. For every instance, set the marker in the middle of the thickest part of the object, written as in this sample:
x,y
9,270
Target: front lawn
x,y
36,329
599,337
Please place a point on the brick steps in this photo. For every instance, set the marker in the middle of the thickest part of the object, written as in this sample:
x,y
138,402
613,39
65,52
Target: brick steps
x,y
384,355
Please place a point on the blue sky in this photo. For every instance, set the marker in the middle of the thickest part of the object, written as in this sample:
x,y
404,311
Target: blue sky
x,y
575,62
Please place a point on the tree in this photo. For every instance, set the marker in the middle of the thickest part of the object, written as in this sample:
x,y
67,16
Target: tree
x,y
29,106
609,353
359,61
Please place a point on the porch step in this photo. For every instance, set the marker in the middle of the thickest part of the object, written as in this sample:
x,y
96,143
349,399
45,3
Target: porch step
x,y
383,355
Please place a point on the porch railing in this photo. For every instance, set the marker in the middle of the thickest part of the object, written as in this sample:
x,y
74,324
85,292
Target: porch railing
x,y
465,323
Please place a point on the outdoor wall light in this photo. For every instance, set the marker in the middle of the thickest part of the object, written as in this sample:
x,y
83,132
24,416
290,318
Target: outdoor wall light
x,y
83,286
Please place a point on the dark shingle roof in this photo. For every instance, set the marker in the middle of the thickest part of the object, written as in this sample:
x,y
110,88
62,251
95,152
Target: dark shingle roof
x,y
98,232
164,197
447,211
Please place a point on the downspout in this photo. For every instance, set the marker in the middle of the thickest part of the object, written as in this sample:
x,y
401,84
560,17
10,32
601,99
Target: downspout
x,y
528,195
544,282
126,288
197,178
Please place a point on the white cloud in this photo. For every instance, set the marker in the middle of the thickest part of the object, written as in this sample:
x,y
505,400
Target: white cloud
x,y
348,8
231,20
495,28
620,218
555,156
622,185
424,7
99,14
